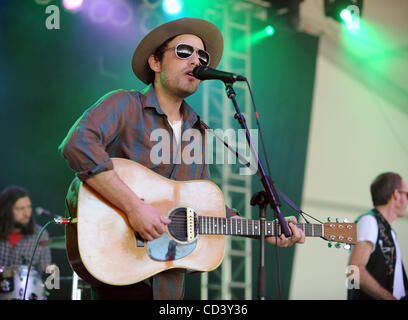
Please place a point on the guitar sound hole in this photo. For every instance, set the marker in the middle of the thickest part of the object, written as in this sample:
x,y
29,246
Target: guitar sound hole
x,y
178,225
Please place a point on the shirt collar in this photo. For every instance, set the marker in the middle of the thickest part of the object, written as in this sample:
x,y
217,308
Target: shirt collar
x,y
190,117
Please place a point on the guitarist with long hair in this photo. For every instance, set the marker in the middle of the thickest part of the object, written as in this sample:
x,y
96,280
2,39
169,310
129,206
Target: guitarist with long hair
x,y
121,125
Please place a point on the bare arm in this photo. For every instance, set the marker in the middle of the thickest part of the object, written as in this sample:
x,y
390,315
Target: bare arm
x,y
144,218
359,257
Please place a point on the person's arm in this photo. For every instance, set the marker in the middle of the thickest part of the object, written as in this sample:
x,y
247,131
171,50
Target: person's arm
x,y
84,149
144,218
359,257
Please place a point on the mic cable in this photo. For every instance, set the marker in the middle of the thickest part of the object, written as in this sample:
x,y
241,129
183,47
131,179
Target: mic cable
x,y
37,241
269,172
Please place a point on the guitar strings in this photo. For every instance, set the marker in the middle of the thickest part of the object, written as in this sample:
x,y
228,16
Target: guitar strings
x,y
229,221
179,225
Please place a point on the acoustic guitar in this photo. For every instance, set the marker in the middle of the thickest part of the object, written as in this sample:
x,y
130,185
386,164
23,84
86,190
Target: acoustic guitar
x,y
102,247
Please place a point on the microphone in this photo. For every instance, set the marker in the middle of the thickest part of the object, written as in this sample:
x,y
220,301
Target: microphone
x,y
57,219
207,73
41,211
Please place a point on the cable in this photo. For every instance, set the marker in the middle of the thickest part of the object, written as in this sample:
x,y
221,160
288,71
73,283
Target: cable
x,y
278,265
259,127
37,240
269,172
32,255
287,200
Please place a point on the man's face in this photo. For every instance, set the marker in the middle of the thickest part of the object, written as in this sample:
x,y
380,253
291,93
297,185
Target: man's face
x,y
402,200
173,76
22,211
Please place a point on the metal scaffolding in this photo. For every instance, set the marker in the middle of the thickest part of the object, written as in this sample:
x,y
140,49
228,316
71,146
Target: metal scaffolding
x,y
233,279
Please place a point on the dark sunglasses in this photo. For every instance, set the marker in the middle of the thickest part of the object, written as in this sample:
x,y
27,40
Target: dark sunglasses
x,y
185,51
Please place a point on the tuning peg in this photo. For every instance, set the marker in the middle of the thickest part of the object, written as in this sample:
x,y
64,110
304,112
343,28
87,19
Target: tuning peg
x,y
337,219
328,219
337,245
347,247
329,244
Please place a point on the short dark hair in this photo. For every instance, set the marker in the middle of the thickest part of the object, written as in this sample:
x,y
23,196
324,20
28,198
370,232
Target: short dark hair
x,y
158,53
8,197
384,186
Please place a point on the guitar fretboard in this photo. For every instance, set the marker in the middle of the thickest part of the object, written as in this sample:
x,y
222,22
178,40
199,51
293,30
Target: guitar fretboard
x,y
245,227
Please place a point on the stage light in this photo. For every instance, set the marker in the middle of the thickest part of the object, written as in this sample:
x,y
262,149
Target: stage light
x,y
284,12
345,11
72,4
345,14
351,18
269,30
172,6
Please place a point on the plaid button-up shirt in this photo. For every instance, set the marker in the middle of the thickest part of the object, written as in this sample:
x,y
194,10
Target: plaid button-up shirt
x,y
21,253
120,125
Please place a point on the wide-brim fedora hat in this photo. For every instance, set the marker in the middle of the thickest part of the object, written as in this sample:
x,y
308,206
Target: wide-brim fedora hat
x,y
205,30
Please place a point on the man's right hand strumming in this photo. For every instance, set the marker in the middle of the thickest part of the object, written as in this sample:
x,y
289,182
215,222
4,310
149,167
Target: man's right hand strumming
x,y
148,221
143,217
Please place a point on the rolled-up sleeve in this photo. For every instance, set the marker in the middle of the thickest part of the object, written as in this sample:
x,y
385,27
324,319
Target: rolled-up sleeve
x,y
84,147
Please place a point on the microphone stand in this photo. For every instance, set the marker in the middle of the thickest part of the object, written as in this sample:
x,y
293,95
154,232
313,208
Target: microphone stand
x,y
268,196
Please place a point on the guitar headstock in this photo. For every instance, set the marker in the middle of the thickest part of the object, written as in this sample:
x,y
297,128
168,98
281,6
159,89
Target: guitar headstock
x,y
341,232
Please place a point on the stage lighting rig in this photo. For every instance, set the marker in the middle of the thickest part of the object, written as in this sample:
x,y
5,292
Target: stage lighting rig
x,y
345,11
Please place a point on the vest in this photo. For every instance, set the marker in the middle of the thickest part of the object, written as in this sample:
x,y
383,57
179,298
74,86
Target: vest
x,y
381,264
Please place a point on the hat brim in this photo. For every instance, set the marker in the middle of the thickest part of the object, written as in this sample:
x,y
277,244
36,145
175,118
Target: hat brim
x,y
205,30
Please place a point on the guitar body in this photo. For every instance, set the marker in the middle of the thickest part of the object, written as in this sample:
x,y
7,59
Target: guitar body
x,y
103,248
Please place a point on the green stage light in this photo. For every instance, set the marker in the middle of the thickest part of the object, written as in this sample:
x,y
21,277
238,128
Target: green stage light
x,y
345,14
351,19
257,36
269,30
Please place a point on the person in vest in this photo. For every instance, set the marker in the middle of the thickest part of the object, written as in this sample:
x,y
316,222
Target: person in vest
x,y
377,254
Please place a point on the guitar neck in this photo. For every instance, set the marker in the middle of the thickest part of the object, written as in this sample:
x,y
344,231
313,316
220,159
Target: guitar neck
x,y
245,227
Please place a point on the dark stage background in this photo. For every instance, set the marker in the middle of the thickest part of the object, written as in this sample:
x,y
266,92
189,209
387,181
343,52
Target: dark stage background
x,y
49,77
